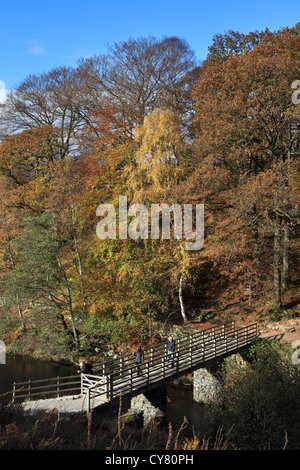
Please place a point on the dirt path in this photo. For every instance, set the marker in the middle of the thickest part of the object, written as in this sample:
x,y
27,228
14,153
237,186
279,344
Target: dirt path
x,y
286,331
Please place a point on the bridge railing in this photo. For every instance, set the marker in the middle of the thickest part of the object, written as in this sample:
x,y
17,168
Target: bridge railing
x,y
46,388
153,353
192,351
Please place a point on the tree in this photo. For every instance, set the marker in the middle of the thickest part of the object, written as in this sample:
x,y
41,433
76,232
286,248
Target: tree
x,y
47,288
139,75
26,167
258,404
55,98
161,163
65,196
161,151
248,127
234,42
9,231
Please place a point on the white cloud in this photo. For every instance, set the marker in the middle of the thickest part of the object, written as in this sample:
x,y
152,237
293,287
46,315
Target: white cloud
x,y
78,53
36,47
2,92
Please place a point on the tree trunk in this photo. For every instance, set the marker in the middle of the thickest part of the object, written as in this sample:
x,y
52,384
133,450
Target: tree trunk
x,y
20,311
254,228
75,334
277,262
286,255
78,258
286,238
182,309
70,305
60,316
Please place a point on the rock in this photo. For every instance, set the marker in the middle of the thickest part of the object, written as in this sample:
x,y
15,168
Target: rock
x,y
279,327
271,326
129,417
287,329
186,382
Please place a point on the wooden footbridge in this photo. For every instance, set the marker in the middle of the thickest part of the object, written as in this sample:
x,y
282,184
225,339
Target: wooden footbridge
x,y
118,377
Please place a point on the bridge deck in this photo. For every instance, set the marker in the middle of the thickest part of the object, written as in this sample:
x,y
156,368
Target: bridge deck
x,y
63,405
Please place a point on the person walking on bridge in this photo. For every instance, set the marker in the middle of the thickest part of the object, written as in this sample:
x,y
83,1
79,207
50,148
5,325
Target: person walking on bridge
x,y
139,359
171,350
85,367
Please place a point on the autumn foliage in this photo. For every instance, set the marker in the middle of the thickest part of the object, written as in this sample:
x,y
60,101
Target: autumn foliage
x,y
146,122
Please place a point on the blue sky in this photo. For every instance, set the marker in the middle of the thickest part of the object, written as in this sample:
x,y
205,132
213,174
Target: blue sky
x,y
37,36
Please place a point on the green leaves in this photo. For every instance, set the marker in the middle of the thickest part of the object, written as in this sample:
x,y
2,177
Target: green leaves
x,y
36,275
259,403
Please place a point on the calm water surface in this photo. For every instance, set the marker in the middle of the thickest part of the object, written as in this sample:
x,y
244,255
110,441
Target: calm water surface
x,y
181,404
21,369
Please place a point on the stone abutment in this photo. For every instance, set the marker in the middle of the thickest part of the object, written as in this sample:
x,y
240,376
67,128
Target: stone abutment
x,y
151,404
205,386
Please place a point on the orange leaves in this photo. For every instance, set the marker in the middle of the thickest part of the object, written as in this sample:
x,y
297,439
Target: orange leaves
x,y
28,152
247,148
244,107
25,165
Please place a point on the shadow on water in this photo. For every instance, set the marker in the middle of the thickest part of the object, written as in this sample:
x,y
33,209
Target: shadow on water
x,y
180,404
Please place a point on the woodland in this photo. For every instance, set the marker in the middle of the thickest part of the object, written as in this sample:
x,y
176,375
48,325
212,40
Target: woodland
x,y
147,121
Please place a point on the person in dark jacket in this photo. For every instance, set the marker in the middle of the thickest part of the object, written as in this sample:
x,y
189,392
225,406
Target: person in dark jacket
x,y
139,359
85,368
171,349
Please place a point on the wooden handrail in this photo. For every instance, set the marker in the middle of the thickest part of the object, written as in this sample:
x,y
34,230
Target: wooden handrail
x,y
120,376
196,345
185,337
202,352
55,386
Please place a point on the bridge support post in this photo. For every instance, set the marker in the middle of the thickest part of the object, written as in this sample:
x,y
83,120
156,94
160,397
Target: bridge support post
x,y
206,383
151,404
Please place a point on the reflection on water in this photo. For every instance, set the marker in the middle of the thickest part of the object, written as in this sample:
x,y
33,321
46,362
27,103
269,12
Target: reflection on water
x,y
20,369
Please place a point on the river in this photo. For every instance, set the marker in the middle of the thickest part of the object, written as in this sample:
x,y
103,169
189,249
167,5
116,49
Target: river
x,y
180,401
21,369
